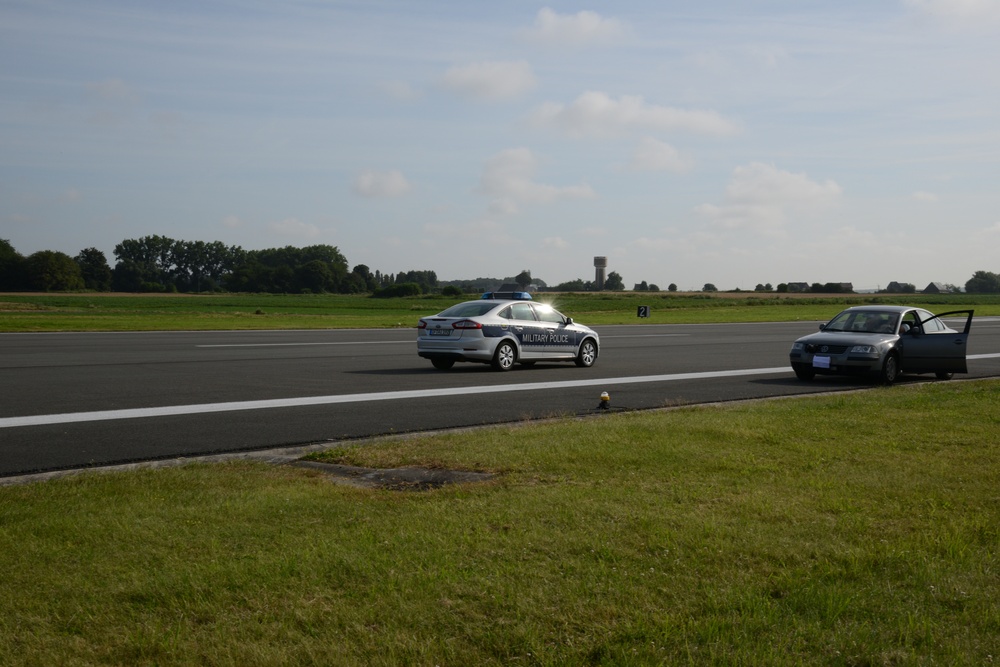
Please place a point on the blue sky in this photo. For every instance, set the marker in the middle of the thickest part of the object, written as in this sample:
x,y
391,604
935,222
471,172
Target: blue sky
x,y
735,143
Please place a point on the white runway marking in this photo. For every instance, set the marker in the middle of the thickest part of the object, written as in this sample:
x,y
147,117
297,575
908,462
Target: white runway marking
x,y
174,410
355,342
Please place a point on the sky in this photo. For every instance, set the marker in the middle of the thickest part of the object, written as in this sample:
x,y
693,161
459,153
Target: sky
x,y
728,142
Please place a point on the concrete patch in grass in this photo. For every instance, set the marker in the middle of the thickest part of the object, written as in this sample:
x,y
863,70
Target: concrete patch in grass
x,y
396,479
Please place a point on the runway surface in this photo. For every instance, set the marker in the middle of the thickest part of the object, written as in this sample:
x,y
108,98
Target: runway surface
x,y
77,400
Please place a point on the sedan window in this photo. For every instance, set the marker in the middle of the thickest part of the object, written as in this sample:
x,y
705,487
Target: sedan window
x,y
931,324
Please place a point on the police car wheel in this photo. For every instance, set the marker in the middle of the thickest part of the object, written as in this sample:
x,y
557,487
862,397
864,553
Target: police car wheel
x,y
587,354
442,364
505,356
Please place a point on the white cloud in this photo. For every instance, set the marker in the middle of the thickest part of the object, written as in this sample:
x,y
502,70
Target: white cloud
x,y
994,229
596,114
490,81
508,176
400,91
112,91
232,222
294,228
574,29
655,155
381,184
929,197
555,243
760,197
476,230
958,11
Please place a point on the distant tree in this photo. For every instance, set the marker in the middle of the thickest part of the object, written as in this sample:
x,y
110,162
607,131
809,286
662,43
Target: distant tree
x,y
368,280
983,282
571,286
653,287
709,287
782,288
427,280
94,269
641,287
672,287
523,279
451,290
614,282
315,276
50,271
11,267
397,290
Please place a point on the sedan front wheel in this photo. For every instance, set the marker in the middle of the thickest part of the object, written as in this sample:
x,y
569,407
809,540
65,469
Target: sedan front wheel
x,y
890,369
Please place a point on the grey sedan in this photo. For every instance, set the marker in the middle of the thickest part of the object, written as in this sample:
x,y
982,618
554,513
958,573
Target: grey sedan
x,y
883,341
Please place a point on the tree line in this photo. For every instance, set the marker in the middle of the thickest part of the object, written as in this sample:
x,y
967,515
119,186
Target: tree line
x,y
161,264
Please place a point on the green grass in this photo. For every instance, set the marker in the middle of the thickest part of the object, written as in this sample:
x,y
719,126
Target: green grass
x,y
852,529
103,312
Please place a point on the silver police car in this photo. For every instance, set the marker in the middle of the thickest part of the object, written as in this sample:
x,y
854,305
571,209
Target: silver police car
x,y
883,341
504,332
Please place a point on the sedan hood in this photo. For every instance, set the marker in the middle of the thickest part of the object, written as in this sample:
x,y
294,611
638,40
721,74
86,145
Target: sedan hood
x,y
846,338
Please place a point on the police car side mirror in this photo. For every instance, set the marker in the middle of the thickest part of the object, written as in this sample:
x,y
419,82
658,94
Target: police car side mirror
x,y
569,321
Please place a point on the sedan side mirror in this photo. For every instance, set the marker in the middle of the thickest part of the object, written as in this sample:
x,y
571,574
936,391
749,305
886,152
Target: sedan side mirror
x,y
569,321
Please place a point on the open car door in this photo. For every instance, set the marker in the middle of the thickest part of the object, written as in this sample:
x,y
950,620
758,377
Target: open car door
x,y
931,349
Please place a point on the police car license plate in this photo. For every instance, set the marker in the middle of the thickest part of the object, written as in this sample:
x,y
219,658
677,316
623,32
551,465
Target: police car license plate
x,y
440,332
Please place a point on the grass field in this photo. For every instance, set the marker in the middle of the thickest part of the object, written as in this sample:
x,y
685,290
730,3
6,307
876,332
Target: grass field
x,y
117,312
858,529
855,529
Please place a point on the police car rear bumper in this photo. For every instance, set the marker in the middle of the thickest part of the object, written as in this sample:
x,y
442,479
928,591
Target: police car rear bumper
x,y
469,350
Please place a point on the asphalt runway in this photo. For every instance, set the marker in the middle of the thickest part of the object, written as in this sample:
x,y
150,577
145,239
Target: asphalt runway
x,y
73,400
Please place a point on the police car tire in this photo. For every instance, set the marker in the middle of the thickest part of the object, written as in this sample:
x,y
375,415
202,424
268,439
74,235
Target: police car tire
x,y
587,355
505,356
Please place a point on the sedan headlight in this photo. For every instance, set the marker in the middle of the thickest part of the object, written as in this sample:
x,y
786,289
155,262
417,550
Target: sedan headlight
x,y
798,347
864,349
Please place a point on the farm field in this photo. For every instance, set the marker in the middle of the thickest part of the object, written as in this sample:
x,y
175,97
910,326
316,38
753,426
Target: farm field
x,y
121,312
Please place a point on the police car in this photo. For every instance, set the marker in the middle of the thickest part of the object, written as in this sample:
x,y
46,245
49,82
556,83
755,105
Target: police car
x,y
504,332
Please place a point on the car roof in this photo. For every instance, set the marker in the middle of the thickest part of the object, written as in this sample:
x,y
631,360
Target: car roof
x,y
881,309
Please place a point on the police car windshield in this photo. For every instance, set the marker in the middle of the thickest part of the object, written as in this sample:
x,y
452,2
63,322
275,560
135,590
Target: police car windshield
x,y
469,309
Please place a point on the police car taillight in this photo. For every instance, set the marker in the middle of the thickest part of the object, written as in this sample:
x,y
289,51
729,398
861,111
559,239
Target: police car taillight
x,y
466,324
421,324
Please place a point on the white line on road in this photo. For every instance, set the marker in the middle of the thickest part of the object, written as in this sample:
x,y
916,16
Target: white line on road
x,y
352,342
206,408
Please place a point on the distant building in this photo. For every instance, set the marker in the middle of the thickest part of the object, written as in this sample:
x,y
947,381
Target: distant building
x,y
600,264
936,288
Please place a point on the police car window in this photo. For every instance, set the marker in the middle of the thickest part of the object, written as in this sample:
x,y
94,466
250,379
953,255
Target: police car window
x,y
472,309
522,311
505,313
547,314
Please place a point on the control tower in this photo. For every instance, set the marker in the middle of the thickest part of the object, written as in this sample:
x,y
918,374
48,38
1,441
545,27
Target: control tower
x,y
600,263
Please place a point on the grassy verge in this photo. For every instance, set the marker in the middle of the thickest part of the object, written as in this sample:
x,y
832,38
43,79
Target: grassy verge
x,y
104,312
859,529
